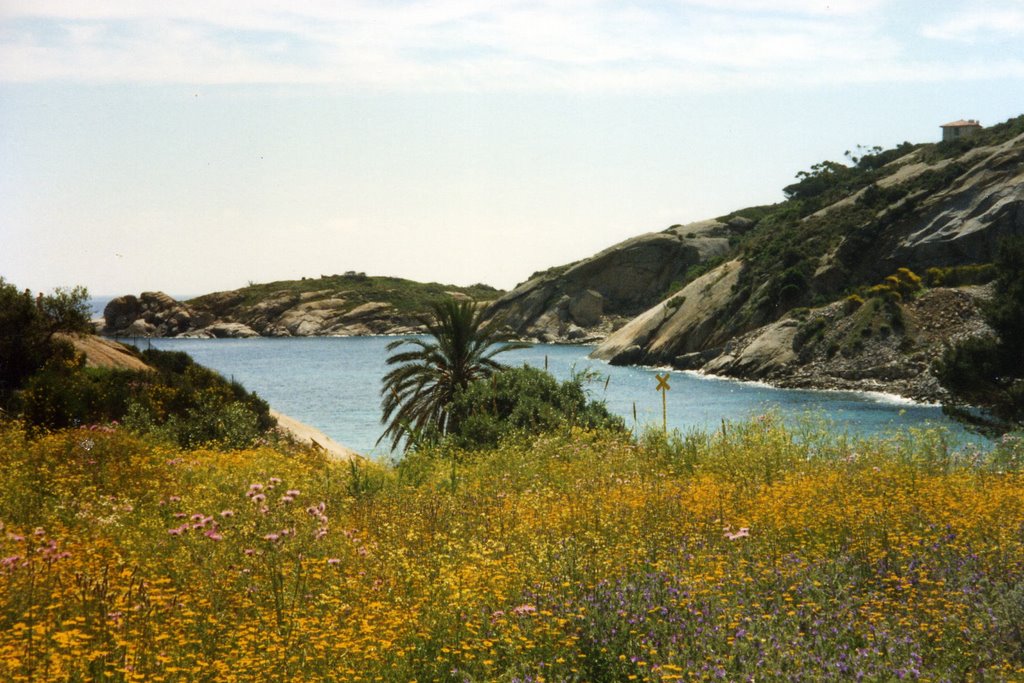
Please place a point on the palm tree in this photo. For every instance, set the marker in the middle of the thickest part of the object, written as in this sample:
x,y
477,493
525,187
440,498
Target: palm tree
x,y
418,390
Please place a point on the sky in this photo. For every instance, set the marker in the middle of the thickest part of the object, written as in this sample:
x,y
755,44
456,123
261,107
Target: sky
x,y
200,145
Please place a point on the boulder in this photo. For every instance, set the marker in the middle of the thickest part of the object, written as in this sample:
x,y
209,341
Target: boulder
x,y
769,351
153,314
586,307
683,323
121,312
222,330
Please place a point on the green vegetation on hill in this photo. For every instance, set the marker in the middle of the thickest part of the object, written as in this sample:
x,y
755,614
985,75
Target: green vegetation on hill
x,y
788,240
178,400
407,296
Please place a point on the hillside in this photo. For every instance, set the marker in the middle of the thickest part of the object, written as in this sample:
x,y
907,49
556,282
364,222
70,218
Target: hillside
x,y
737,295
353,304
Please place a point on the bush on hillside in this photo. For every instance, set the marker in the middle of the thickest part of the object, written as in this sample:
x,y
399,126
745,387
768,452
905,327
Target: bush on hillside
x,y
179,401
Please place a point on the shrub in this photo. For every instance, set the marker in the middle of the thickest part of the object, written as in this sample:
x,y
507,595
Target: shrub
x,y
524,401
179,401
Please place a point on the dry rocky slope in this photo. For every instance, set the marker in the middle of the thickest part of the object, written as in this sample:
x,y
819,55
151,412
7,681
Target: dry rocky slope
x,y
770,305
339,305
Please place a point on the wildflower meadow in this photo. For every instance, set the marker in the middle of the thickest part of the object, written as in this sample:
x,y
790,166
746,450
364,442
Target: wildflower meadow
x,y
751,553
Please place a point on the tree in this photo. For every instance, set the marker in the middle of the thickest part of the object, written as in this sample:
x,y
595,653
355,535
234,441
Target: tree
x,y
419,389
27,326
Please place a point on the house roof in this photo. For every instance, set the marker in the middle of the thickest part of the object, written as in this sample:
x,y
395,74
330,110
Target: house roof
x,y
961,124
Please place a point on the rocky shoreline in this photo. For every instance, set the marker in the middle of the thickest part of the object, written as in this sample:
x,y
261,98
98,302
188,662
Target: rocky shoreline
x,y
876,347
155,314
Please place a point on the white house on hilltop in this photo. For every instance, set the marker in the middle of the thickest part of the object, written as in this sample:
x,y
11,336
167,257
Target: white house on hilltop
x,y
959,129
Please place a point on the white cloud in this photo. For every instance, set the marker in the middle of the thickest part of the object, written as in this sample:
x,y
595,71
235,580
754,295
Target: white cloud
x,y
577,45
979,23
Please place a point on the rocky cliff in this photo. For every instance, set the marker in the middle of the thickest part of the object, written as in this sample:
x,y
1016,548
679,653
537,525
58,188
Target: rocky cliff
x,y
776,310
584,301
338,305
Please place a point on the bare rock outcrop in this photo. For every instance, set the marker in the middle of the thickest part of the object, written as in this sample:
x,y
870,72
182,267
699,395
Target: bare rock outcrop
x,y
686,322
151,314
610,287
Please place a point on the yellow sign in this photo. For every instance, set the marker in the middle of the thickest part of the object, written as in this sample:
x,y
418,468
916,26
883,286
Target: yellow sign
x,y
663,387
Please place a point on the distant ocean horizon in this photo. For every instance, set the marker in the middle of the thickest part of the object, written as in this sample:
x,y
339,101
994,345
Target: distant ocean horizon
x,y
333,384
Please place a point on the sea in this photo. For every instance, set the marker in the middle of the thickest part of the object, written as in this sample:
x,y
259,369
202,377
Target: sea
x,y
334,384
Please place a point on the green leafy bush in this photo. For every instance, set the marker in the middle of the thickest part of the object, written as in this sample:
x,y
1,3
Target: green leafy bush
x,y
178,401
524,401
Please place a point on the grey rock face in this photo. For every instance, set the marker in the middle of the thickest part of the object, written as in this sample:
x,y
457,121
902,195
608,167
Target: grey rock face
x,y
622,280
586,307
152,314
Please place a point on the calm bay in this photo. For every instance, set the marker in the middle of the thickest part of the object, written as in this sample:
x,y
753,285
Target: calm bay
x,y
333,384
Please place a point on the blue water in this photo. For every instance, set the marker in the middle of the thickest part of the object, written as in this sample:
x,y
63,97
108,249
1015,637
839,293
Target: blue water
x,y
333,384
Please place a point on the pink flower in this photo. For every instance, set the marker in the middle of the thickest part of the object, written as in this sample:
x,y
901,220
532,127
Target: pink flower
x,y
249,552
334,560
227,513
259,498
275,480
271,537
213,535
175,499
523,609
294,493
176,531
286,499
744,532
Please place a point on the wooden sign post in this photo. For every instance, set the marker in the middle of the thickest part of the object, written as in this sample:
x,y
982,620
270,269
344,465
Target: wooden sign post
x,y
663,387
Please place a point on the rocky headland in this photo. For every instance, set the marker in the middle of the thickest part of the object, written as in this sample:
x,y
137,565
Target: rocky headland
x,y
858,280
340,305
807,293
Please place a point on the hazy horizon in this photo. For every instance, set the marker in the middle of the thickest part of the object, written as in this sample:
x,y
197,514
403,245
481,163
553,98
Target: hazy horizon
x,y
193,147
